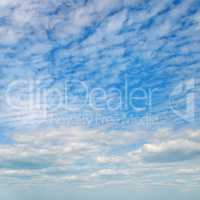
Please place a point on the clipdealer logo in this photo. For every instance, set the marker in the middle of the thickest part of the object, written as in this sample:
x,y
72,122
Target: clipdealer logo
x,y
182,100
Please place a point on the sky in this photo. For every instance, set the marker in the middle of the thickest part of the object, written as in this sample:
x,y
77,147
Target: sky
x,y
99,99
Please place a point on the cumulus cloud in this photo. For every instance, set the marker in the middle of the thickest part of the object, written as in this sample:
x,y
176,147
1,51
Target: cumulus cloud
x,y
172,151
171,148
86,157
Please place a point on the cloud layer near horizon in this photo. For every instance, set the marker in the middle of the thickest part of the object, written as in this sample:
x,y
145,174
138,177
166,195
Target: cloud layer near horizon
x,y
89,158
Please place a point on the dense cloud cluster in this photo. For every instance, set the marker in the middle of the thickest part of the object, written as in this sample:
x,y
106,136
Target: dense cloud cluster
x,y
88,158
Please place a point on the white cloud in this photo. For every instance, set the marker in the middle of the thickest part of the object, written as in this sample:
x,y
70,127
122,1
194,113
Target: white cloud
x,y
172,148
84,155
115,22
56,155
112,160
111,172
9,35
8,2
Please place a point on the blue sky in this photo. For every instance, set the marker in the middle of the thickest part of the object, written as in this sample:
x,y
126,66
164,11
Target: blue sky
x,y
99,99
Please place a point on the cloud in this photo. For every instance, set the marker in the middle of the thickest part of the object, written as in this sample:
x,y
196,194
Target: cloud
x,y
110,172
170,148
107,160
172,151
106,44
87,156
101,43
